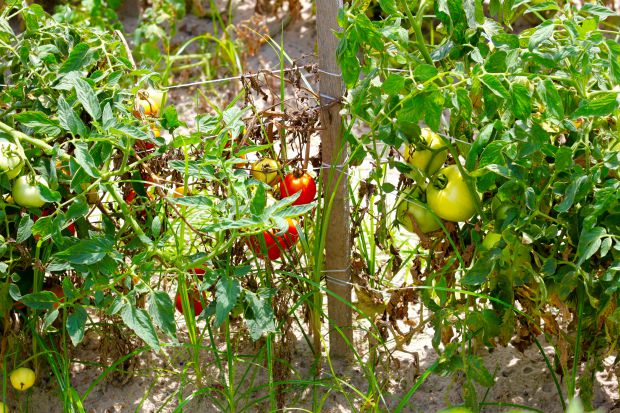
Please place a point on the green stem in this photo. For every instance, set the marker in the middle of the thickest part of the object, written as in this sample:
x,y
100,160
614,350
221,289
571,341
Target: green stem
x,y
416,24
17,135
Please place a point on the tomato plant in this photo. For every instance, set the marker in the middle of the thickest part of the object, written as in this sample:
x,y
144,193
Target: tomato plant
x,y
299,182
449,196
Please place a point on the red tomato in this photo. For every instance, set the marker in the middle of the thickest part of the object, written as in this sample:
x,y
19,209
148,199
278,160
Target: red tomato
x,y
200,272
193,297
296,182
275,245
131,196
58,291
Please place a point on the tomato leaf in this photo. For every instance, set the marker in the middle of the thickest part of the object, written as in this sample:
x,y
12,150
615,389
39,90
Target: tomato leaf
x,y
161,310
602,105
551,98
79,58
138,320
543,33
589,243
87,251
42,300
87,97
85,160
477,371
259,201
39,122
571,191
69,120
261,320
24,231
424,72
227,292
76,324
521,101
495,86
598,10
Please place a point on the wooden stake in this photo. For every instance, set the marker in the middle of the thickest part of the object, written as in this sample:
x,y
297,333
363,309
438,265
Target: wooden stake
x,y
334,151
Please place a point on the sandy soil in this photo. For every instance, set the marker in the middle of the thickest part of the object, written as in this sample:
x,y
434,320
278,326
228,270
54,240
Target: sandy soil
x,y
157,385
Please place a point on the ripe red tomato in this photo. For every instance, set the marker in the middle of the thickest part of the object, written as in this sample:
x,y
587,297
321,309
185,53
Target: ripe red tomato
x,y
60,294
193,298
296,182
200,272
275,245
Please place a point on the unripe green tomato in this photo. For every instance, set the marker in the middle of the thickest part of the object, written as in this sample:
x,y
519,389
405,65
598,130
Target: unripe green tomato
x,y
22,378
26,191
449,196
425,159
11,161
410,208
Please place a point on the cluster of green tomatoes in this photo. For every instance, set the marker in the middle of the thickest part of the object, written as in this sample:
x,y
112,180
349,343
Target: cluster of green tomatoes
x,y
440,193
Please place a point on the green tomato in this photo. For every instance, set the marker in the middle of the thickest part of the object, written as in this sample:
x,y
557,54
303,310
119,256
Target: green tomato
x,y
428,157
449,197
22,378
491,240
26,191
412,209
11,161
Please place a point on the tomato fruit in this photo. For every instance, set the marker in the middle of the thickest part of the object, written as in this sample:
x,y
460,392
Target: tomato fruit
x,y
59,293
299,182
200,272
22,378
147,103
429,155
26,191
275,244
193,299
412,208
449,197
11,161
266,170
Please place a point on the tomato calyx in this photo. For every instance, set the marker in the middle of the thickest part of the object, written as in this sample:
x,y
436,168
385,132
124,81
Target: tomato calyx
x,y
440,181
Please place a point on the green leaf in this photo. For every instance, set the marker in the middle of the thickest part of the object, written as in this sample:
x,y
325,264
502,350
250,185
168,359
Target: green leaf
x,y
39,122
78,58
551,98
69,120
543,33
511,41
42,300
227,292
138,320
85,160
463,103
597,10
589,243
602,105
543,6
393,84
24,231
495,86
87,97
76,324
259,201
571,191
434,108
477,371
521,101
87,251
388,6
424,72
161,310
261,321
496,62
